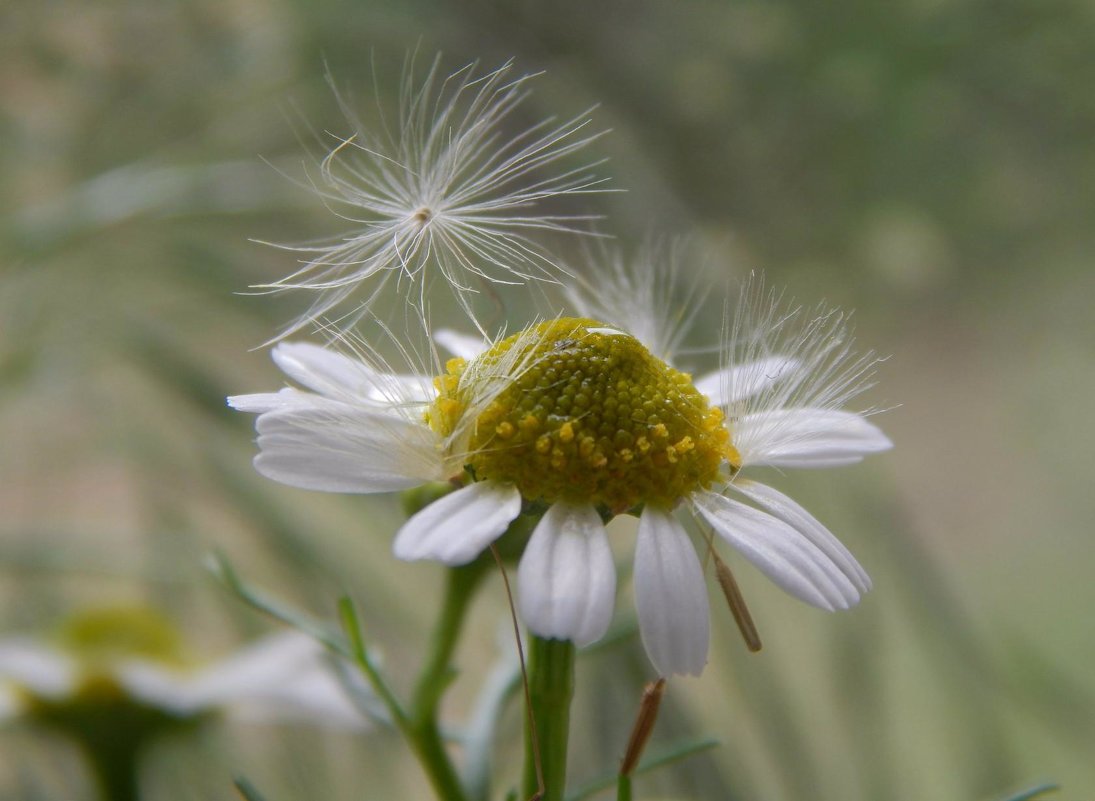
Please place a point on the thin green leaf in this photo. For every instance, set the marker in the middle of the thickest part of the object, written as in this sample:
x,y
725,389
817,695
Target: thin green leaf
x,y
1033,792
667,757
222,569
247,790
676,754
351,627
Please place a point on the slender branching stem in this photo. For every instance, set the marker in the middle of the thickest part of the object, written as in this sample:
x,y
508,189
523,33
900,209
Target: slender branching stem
x,y
436,675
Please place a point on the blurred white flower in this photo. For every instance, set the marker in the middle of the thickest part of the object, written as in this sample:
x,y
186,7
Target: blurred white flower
x,y
130,657
579,420
450,191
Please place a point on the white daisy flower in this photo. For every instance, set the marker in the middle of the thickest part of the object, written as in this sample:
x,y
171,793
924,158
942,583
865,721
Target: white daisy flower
x,y
131,658
578,419
448,191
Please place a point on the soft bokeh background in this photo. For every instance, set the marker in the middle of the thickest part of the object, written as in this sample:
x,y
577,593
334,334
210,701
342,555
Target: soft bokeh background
x,y
926,162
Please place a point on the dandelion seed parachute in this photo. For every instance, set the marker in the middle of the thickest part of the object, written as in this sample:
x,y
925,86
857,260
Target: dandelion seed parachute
x,y
448,194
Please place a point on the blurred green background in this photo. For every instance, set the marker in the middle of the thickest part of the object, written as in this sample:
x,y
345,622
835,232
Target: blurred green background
x,y
928,163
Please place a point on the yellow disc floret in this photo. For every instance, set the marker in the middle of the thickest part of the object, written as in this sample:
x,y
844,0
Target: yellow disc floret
x,y
573,410
120,633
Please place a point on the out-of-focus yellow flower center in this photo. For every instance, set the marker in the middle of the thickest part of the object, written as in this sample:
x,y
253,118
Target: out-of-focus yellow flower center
x,y
119,633
584,414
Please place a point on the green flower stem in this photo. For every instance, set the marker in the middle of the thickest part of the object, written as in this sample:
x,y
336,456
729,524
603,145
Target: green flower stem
x,y
435,677
111,730
352,628
551,687
115,770
623,788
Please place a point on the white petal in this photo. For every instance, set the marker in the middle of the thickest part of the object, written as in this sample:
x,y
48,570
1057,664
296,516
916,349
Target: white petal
x,y
566,581
315,696
335,375
262,402
285,677
784,555
462,345
734,384
457,527
339,448
791,513
37,668
323,370
169,689
807,438
670,596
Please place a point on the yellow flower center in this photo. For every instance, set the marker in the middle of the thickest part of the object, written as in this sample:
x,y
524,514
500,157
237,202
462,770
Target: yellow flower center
x,y
573,410
118,633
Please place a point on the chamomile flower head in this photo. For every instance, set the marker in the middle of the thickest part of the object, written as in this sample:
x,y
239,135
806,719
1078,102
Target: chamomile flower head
x,y
447,191
128,665
576,419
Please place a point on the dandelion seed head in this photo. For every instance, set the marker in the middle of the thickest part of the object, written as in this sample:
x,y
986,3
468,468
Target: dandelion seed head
x,y
453,191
